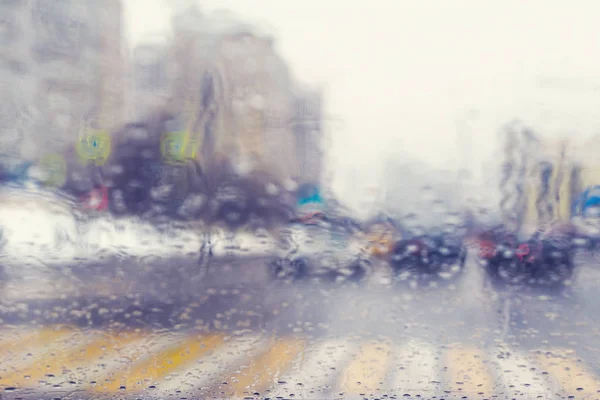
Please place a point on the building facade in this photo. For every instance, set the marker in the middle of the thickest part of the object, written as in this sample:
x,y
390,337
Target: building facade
x,y
542,179
17,112
587,156
547,185
150,80
237,97
308,130
65,62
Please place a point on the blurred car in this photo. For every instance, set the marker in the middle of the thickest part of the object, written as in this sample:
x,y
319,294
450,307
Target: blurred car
x,y
318,248
544,260
428,258
415,252
381,236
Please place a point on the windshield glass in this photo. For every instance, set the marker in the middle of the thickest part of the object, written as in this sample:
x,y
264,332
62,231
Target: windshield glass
x,y
235,199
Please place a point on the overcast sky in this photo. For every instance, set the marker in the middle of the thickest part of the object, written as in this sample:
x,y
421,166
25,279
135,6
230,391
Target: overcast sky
x,y
404,75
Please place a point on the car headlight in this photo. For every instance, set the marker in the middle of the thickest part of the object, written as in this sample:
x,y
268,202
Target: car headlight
x,y
444,251
412,248
508,253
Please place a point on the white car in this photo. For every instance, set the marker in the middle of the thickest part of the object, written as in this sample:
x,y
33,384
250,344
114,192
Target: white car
x,y
320,249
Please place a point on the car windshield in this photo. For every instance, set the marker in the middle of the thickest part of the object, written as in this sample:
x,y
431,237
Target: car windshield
x,y
257,199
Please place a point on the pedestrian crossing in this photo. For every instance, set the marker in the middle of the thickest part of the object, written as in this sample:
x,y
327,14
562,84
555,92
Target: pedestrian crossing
x,y
197,365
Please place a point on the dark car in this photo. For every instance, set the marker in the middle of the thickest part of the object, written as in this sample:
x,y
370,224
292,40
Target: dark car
x,y
428,258
541,261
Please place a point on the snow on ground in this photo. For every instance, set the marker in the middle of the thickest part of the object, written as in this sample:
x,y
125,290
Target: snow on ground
x,y
38,225
248,244
43,228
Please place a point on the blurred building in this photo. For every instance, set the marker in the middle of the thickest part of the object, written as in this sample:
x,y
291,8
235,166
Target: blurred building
x,y
307,127
17,114
547,184
64,64
237,96
543,179
110,21
149,78
587,156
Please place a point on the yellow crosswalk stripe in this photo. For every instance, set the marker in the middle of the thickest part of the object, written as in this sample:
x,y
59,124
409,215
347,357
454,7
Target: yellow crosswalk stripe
x,y
264,370
9,339
187,382
65,363
366,373
467,372
16,353
572,375
58,355
150,371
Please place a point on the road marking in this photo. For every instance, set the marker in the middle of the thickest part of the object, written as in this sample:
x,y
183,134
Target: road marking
x,y
570,373
368,370
520,377
17,354
315,369
188,383
115,365
9,338
467,372
128,357
63,366
415,368
151,370
266,369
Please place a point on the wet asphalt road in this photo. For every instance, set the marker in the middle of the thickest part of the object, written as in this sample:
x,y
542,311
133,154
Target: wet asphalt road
x,y
236,294
235,297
